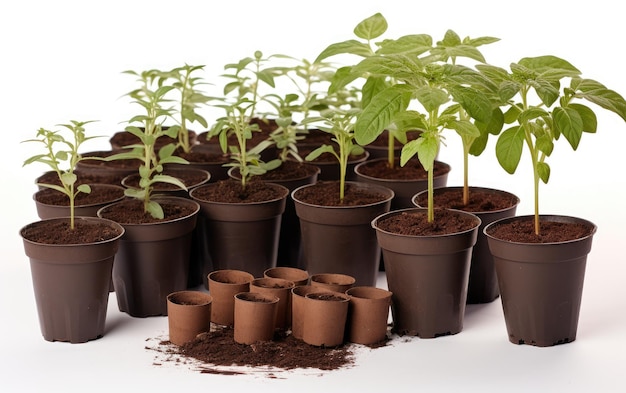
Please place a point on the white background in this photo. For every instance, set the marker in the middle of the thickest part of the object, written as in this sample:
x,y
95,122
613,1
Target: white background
x,y
62,60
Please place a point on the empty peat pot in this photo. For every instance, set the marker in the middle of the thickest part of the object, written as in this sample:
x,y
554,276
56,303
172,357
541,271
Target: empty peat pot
x,y
188,314
223,286
325,318
255,316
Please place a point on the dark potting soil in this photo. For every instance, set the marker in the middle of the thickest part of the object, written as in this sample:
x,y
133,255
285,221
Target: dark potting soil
x,y
83,177
231,191
60,232
131,211
118,164
523,231
479,200
412,170
326,193
288,170
416,223
97,195
218,348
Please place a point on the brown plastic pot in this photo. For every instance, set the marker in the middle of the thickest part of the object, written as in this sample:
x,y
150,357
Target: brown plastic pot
x,y
541,284
223,286
482,286
325,318
298,308
368,314
339,239
335,282
282,290
188,314
298,276
153,261
255,316
71,284
428,276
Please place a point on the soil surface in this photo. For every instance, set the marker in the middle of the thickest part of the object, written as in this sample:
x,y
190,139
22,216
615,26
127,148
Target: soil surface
x,y
326,193
189,178
416,223
523,231
59,232
412,170
130,211
231,191
288,170
479,201
98,195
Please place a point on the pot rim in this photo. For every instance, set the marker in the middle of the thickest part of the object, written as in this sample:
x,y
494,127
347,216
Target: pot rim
x,y
381,179
399,211
120,229
164,221
391,194
206,185
518,201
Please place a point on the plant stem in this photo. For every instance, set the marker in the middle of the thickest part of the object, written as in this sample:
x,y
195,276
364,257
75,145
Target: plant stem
x,y
391,159
465,175
343,163
431,203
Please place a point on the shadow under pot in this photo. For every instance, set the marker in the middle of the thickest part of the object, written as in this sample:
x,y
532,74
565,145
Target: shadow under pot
x,y
153,259
427,268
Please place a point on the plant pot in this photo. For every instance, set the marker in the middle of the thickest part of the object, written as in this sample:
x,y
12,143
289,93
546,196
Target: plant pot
x,y
121,139
541,284
339,239
153,259
405,181
298,308
255,315
332,282
428,275
205,158
379,148
282,290
329,166
242,235
71,281
368,313
325,318
297,276
51,203
292,175
188,314
483,284
223,286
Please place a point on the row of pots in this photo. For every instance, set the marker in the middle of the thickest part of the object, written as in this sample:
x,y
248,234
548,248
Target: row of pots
x,y
324,311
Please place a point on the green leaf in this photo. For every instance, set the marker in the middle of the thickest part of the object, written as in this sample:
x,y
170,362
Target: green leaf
x,y
546,63
68,178
319,151
54,187
380,112
598,94
372,86
84,188
371,27
509,148
431,97
479,144
568,123
414,45
426,147
476,103
543,170
464,128
170,180
590,121
155,210
346,47
545,144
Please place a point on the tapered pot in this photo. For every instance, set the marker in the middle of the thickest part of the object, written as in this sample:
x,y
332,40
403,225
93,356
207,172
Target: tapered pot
x,y
255,315
223,286
541,284
325,318
339,239
188,314
368,314
483,283
282,290
428,276
242,236
71,281
153,260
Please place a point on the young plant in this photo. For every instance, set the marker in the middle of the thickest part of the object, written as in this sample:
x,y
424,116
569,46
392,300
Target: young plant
x,y
68,155
190,99
542,108
237,122
339,123
148,127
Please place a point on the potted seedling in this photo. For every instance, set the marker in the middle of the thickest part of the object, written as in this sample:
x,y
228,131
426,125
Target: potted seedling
x,y
71,257
335,215
156,246
540,259
239,211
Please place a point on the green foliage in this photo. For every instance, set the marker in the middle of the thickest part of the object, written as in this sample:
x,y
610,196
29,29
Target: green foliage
x,y
67,154
190,99
339,123
552,114
148,127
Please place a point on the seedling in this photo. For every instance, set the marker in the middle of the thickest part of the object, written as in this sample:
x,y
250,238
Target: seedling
x,y
63,160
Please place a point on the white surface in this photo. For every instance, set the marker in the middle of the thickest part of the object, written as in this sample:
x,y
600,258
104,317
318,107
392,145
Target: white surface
x,y
62,60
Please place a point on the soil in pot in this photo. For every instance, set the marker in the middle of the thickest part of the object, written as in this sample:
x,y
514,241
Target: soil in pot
x,y
130,211
523,231
231,192
84,177
410,224
190,177
99,194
